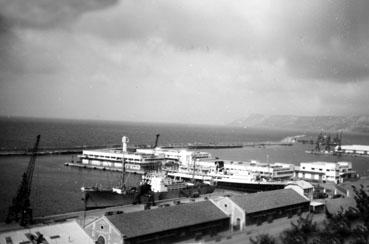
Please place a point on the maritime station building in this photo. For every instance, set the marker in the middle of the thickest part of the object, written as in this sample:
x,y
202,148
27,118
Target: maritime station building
x,y
324,171
160,225
256,208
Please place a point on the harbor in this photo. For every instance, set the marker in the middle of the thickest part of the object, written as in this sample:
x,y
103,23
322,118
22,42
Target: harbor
x,y
158,178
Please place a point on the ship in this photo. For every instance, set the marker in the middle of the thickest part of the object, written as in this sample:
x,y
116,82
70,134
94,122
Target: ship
x,y
241,183
154,186
238,177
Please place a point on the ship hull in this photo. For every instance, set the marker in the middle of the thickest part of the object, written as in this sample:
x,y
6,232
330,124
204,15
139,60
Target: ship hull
x,y
249,187
106,198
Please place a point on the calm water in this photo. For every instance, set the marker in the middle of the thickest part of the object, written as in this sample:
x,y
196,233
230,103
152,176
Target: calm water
x,y
56,188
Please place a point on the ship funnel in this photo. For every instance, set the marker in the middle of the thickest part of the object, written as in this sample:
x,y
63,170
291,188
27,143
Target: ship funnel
x,y
125,140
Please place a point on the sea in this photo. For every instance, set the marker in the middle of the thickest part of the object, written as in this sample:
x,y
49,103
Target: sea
x,y
56,188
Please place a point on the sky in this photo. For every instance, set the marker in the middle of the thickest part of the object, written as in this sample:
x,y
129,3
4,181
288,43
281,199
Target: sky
x,y
203,62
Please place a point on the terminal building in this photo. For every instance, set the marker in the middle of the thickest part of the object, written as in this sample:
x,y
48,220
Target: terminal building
x,y
324,171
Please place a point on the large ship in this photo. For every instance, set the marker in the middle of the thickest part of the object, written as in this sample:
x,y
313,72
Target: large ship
x,y
152,188
240,183
245,177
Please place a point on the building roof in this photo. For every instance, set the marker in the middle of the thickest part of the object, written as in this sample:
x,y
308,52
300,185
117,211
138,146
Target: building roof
x,y
301,183
266,200
66,232
319,163
161,219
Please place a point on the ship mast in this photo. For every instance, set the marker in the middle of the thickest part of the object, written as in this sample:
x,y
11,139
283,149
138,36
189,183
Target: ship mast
x,y
125,140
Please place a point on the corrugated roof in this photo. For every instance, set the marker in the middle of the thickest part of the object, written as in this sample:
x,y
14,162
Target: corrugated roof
x,y
262,201
161,219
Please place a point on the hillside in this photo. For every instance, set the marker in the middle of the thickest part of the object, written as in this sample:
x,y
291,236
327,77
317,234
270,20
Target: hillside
x,y
307,123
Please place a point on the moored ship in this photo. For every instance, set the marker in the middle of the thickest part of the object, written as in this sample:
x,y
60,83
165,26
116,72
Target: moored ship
x,y
233,182
153,187
242,176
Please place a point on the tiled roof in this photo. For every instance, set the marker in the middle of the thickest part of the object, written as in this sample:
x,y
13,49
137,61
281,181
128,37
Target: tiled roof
x,y
161,219
266,200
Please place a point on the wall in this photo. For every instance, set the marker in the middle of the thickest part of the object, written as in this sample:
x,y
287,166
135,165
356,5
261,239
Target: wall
x,y
102,227
236,213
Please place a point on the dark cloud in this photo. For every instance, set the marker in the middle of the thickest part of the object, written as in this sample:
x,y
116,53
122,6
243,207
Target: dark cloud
x,y
330,43
266,56
7,38
48,13
318,39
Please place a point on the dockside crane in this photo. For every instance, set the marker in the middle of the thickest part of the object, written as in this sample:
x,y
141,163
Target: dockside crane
x,y
20,210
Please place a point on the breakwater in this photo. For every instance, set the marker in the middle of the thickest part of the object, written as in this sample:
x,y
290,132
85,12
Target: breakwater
x,y
194,146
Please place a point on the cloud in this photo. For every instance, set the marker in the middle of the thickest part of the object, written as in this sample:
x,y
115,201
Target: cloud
x,y
319,40
183,61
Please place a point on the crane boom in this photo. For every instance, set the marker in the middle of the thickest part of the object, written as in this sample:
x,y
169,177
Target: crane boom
x,y
20,210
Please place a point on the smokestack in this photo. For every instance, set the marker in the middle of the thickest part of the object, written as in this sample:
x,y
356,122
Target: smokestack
x,y
156,140
125,140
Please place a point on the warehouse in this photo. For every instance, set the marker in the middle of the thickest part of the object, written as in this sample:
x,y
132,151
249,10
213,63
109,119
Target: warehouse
x,y
175,223
247,209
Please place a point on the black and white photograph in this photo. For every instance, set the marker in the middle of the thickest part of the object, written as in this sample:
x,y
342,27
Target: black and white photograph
x,y
184,121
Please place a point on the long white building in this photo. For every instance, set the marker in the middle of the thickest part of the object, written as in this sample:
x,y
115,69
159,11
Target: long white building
x,y
324,171
353,149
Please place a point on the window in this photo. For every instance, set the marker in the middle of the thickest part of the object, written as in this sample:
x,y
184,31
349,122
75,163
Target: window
x,y
8,240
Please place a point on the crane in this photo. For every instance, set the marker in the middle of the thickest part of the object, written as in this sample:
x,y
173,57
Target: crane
x,y
20,210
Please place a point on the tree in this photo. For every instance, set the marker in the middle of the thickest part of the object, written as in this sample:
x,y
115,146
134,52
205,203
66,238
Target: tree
x,y
263,239
301,232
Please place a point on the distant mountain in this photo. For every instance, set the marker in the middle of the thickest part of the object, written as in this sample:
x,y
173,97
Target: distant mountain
x,y
306,123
